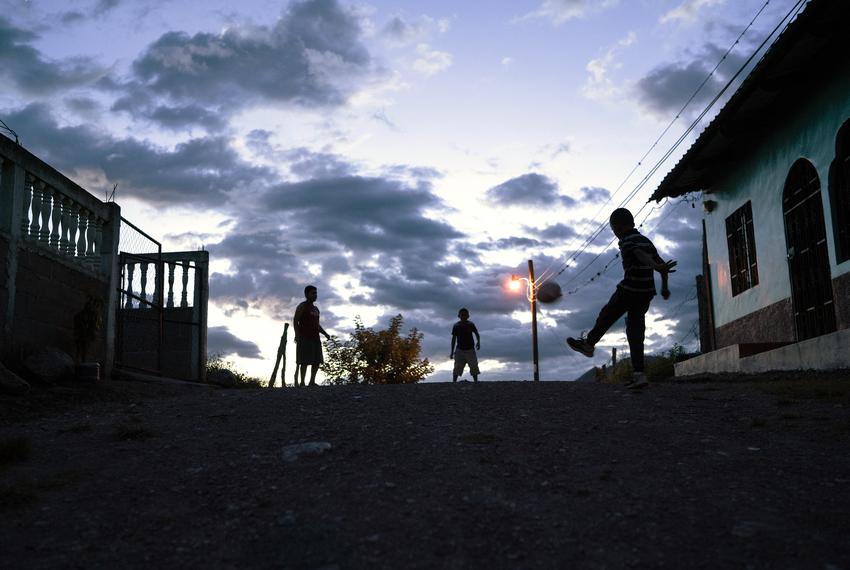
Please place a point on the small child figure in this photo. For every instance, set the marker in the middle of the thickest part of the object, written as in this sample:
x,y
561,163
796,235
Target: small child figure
x,y
633,295
462,333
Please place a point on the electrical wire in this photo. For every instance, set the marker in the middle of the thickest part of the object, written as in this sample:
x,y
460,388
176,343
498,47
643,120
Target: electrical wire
x,y
791,13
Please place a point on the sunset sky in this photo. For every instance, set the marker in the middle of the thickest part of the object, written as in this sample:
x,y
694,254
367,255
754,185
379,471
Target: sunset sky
x,y
404,157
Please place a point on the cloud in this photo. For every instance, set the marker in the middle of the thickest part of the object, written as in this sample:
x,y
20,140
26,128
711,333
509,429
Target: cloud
x,y
555,232
221,341
25,68
401,31
202,172
510,243
431,62
687,11
312,57
594,194
599,84
667,87
185,117
529,190
560,11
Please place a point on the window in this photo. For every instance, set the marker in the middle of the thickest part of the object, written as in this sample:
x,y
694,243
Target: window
x,y
743,267
839,193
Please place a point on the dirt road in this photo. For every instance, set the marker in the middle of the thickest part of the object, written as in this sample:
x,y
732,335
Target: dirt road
x,y
494,475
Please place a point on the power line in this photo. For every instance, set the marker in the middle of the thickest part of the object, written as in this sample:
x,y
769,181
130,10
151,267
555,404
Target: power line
x,y
792,12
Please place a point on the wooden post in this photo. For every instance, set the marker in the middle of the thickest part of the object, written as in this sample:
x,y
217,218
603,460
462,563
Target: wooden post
x,y
281,355
533,288
613,358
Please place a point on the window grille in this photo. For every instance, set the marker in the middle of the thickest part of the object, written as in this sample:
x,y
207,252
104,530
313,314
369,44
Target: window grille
x,y
740,237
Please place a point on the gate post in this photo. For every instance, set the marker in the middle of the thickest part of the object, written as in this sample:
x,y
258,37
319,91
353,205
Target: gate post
x,y
109,268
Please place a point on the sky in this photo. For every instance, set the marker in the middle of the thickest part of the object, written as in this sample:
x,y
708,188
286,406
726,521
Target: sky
x,y
404,157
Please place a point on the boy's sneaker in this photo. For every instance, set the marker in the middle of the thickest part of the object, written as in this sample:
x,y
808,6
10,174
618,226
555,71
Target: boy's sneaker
x,y
638,381
580,345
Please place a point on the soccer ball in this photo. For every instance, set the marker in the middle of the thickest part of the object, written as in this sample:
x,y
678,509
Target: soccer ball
x,y
548,292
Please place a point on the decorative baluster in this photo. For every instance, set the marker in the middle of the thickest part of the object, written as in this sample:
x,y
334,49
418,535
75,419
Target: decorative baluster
x,y
170,303
184,302
57,219
144,290
156,284
25,220
47,196
131,269
73,222
83,241
66,220
37,198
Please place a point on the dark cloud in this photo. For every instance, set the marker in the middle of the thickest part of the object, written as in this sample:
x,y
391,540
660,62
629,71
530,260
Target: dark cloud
x,y
312,56
510,243
27,69
221,341
187,116
529,190
593,194
202,171
666,88
82,105
555,232
365,213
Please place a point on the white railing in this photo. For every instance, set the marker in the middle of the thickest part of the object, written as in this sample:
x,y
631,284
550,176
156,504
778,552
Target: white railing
x,y
53,213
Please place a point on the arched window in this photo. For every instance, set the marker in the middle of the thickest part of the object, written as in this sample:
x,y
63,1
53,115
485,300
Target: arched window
x,y
839,193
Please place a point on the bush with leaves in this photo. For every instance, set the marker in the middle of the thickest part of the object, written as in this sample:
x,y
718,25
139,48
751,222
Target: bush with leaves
x,y
216,363
376,357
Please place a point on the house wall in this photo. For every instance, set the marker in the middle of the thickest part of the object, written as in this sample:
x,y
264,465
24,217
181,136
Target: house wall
x,y
763,313
49,292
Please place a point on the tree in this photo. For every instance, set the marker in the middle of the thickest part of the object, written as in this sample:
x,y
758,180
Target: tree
x,y
376,357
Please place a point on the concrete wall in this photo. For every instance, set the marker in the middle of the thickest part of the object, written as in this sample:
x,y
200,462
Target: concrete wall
x,y
807,133
49,292
42,285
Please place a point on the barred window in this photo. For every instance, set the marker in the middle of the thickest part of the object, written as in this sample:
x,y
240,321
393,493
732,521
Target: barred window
x,y
743,267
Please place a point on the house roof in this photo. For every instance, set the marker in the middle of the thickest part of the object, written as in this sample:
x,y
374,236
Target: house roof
x,y
809,47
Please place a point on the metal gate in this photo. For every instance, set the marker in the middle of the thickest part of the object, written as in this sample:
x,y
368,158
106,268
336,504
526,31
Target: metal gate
x,y
808,256
162,311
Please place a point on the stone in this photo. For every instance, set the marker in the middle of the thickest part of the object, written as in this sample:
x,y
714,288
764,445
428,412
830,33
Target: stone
x,y
310,448
11,383
49,365
222,377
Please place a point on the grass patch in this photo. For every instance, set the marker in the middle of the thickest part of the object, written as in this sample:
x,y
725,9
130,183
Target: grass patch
x,y
14,450
127,432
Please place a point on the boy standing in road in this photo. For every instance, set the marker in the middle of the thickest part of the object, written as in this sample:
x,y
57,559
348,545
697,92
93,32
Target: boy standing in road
x,y
465,354
633,295
308,350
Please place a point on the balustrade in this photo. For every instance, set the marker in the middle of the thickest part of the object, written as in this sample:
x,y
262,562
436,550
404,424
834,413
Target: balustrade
x,y
56,221
141,282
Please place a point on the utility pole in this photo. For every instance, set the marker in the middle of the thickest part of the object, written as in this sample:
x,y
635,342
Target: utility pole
x,y
532,287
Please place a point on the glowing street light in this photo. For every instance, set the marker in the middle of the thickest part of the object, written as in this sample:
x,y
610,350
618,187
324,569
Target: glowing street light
x,y
531,294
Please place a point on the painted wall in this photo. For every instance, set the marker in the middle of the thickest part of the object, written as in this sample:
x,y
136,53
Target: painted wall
x,y
808,133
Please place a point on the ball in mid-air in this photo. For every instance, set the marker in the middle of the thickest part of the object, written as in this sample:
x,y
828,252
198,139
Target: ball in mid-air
x,y
548,292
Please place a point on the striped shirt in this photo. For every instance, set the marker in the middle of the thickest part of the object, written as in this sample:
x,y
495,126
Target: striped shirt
x,y
637,277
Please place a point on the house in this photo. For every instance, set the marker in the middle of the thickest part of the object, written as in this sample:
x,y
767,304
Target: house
x,y
61,246
774,171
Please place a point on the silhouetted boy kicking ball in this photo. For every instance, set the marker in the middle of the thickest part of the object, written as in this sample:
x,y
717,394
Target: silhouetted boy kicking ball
x,y
465,354
633,295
